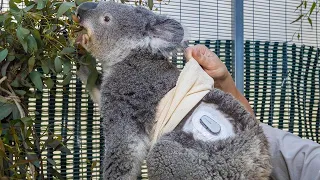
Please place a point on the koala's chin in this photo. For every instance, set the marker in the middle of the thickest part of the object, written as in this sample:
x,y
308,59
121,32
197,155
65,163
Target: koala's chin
x,y
132,42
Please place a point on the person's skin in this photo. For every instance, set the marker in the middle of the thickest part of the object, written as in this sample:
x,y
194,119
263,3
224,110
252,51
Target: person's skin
x,y
212,65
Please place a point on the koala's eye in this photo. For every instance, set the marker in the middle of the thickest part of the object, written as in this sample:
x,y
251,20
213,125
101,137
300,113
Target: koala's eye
x,y
106,18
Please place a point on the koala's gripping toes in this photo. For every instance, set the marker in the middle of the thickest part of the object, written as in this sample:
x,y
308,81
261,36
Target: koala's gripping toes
x,y
133,44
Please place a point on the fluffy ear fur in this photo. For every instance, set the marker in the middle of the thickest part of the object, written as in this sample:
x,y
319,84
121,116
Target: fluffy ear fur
x,y
165,33
162,33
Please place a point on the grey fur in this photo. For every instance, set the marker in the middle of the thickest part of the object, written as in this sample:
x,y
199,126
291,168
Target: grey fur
x,y
178,156
133,48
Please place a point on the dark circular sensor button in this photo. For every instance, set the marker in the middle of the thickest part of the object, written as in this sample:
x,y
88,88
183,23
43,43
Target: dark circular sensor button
x,y
211,125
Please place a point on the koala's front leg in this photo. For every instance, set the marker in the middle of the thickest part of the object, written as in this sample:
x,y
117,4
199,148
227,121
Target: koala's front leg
x,y
125,149
83,73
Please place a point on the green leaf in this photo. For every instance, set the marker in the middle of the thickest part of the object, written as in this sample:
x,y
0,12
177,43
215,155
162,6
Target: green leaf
x,y
312,7
66,67
298,35
298,18
93,165
57,64
15,83
67,50
310,21
67,79
31,62
35,77
15,113
33,158
22,33
32,43
45,67
51,161
25,32
13,6
64,7
49,82
78,2
4,68
41,4
27,121
150,4
37,36
20,92
11,57
5,110
3,54
305,4
3,100
56,174
26,9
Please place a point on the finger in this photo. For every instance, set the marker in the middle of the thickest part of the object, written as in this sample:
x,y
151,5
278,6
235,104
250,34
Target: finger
x,y
203,60
188,53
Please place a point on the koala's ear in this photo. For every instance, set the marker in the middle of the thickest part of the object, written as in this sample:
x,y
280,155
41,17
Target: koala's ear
x,y
165,33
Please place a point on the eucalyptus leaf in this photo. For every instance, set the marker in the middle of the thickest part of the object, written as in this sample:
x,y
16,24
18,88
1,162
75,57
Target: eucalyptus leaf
x,y
35,77
44,67
20,92
67,67
13,6
67,79
4,68
57,64
37,36
49,82
67,50
5,110
31,62
297,18
3,100
26,9
11,57
41,4
3,54
78,2
64,7
15,113
312,7
310,21
51,161
32,44
150,4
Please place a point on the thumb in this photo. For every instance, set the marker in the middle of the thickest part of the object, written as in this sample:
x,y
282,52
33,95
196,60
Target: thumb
x,y
188,53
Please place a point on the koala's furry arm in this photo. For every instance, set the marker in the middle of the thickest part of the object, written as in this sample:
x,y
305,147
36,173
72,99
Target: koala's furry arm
x,y
83,74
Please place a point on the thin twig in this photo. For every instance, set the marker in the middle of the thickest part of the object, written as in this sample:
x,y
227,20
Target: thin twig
x,y
22,113
3,79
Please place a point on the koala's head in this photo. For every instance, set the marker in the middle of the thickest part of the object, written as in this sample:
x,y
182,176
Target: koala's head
x,y
113,29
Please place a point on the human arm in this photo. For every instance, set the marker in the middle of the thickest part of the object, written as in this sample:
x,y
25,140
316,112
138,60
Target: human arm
x,y
211,64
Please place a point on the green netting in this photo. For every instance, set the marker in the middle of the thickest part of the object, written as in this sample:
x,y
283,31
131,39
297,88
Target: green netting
x,y
281,84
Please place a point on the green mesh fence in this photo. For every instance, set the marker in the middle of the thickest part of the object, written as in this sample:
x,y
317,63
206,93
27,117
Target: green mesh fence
x,y
281,84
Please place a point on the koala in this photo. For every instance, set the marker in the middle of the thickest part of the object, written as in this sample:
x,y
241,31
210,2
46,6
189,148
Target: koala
x,y
133,45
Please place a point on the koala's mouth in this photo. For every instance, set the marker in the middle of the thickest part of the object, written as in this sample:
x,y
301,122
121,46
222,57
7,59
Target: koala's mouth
x,y
83,36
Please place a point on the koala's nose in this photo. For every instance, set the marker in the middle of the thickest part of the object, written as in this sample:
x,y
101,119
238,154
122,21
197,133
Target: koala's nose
x,y
85,7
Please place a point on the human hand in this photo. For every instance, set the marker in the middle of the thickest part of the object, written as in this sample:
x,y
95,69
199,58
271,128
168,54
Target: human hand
x,y
209,61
